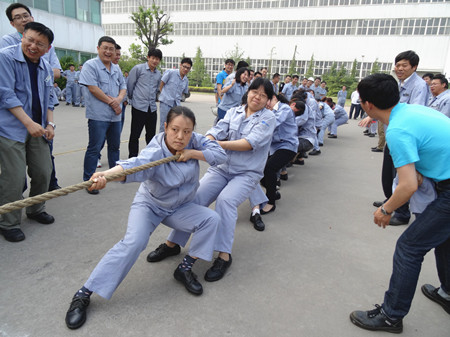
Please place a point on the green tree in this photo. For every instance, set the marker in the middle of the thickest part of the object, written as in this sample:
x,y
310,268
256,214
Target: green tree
x,y
65,61
310,71
293,64
354,71
375,67
137,52
126,63
198,77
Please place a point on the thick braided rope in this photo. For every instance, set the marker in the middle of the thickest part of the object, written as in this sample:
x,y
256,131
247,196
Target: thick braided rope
x,y
13,206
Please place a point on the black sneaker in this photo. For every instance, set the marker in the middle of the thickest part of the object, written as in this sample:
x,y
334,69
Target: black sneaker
x,y
257,222
189,280
376,320
217,271
432,293
76,315
162,252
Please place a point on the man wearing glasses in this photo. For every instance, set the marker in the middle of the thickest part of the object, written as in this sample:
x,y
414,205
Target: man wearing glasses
x,y
174,83
26,124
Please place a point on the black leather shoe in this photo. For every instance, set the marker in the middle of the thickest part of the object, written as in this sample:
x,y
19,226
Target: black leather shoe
x,y
299,162
432,293
371,135
93,192
162,252
189,279
271,210
43,218
76,315
284,176
398,222
54,187
376,320
366,132
258,224
332,136
377,150
320,144
315,153
277,195
218,269
373,148
378,203
13,235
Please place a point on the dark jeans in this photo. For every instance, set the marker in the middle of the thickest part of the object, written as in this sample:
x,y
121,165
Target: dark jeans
x,y
304,146
53,179
388,173
274,163
139,119
357,108
220,114
98,132
430,230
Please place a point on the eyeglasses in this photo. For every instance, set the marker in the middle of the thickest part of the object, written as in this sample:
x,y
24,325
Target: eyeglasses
x,y
257,93
21,17
110,49
40,45
186,67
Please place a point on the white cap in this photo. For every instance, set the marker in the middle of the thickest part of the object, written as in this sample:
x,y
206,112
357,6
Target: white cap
x,y
311,79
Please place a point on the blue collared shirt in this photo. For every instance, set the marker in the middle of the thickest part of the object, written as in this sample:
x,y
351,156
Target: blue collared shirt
x,y
441,102
71,76
340,112
285,134
257,129
233,96
142,87
174,87
15,90
320,93
111,81
414,90
307,125
168,186
16,38
288,90
342,96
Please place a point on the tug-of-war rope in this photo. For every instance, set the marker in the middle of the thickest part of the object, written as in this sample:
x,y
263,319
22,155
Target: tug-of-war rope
x,y
16,205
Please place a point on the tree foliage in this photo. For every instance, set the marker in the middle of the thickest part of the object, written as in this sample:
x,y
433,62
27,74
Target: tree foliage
x,y
126,63
337,78
137,52
310,71
375,67
198,76
293,64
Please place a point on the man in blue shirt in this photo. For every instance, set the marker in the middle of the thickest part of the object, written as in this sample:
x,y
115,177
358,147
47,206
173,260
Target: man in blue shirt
x,y
26,124
220,78
342,96
289,88
173,84
417,138
440,99
72,78
143,85
106,91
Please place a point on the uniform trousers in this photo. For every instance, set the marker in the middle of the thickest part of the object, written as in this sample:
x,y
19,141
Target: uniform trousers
x,y
139,119
328,120
430,230
142,221
72,93
338,122
163,112
15,157
229,191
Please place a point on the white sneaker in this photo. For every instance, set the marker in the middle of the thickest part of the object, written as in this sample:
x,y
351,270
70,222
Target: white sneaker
x,y
99,164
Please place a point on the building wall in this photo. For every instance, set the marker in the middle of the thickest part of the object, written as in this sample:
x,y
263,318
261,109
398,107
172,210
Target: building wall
x,y
365,30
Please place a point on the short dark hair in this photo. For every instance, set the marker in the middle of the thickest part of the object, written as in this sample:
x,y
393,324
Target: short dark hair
x,y
300,106
239,73
230,61
186,60
180,111
379,89
318,78
299,95
295,76
106,39
71,65
429,75
41,29
262,82
13,7
155,52
251,71
324,82
288,76
118,47
262,68
281,98
275,75
410,56
257,73
441,78
241,64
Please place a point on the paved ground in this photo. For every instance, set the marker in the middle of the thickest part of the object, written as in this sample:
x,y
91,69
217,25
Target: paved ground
x,y
320,257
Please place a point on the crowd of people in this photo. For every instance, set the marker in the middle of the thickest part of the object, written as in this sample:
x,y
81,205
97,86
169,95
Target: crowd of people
x,y
262,128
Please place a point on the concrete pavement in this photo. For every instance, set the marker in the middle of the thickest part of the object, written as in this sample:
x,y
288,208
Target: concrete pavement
x,y
320,257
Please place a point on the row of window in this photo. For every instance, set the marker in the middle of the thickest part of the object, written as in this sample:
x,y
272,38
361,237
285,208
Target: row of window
x,y
128,6
78,56
417,26
83,10
215,65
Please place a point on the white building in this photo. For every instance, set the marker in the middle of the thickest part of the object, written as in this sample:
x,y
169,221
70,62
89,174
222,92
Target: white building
x,y
76,24
332,30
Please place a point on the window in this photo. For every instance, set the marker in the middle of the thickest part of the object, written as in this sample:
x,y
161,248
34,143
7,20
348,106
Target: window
x,y
70,8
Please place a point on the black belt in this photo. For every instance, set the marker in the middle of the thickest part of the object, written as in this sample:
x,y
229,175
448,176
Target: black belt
x,y
443,185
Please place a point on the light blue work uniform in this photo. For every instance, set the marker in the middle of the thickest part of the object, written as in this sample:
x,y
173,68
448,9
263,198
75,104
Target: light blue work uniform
x,y
17,148
72,93
174,87
413,90
103,122
231,183
340,118
288,90
232,98
327,119
142,87
341,97
320,93
306,125
421,198
166,195
79,89
441,102
57,92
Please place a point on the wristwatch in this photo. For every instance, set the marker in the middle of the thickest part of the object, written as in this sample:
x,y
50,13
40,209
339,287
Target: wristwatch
x,y
384,211
52,124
